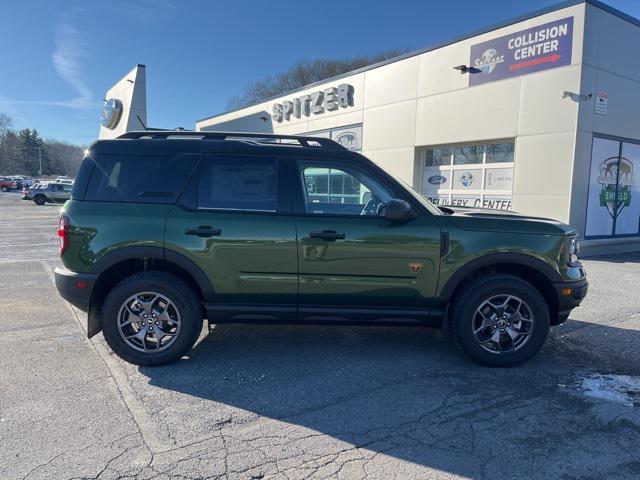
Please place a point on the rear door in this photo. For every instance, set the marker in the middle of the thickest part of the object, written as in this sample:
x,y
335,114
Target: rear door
x,y
234,221
66,192
56,192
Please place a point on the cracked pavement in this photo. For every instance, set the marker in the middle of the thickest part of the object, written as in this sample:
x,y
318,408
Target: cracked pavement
x,y
286,402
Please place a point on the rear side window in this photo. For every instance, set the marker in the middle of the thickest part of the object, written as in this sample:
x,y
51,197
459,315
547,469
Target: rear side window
x,y
139,179
236,183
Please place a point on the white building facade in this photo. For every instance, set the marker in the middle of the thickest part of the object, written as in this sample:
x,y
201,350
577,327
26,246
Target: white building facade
x,y
539,115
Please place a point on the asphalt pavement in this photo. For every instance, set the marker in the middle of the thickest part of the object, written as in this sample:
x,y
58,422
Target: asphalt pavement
x,y
288,402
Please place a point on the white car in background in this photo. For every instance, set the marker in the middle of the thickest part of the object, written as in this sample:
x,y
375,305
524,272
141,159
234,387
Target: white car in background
x,y
64,180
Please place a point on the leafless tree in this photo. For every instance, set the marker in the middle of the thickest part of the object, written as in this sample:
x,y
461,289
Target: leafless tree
x,y
303,73
5,125
65,157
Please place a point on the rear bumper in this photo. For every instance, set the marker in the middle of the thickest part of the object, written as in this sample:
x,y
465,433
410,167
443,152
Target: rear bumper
x,y
75,287
570,295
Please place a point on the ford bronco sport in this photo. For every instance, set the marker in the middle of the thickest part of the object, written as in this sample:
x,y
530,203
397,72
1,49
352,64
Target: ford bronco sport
x,y
165,229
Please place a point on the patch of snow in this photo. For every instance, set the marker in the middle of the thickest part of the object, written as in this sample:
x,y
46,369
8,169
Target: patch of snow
x,y
622,389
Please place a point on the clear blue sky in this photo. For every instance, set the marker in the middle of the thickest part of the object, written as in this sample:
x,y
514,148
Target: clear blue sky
x,y
58,58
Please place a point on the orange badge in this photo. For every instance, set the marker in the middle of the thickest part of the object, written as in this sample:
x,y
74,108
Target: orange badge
x,y
415,267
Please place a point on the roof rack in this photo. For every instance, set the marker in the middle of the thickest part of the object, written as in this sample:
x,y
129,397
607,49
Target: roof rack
x,y
249,137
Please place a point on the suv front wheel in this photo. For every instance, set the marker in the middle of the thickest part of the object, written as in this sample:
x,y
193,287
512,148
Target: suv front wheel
x,y
151,318
499,320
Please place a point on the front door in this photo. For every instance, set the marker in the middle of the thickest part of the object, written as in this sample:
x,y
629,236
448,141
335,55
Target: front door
x,y
352,261
234,221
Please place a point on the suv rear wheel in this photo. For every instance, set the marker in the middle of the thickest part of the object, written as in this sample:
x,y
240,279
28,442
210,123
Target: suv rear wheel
x,y
151,318
499,320
40,199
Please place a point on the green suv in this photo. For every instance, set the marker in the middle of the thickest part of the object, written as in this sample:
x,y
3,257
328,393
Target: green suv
x,y
165,229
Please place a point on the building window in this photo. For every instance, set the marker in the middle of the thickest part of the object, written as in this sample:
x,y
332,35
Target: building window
x,y
436,157
613,208
475,176
468,155
349,137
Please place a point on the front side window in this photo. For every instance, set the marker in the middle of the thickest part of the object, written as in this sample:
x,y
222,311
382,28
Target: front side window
x,y
238,184
341,191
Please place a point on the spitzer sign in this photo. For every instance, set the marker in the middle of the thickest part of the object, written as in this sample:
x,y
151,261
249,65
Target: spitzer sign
x,y
527,51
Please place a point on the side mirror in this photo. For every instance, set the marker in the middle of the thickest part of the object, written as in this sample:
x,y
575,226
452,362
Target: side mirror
x,y
396,210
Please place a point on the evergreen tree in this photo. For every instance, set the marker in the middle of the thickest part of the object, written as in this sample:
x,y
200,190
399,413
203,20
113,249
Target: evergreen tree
x,y
32,149
20,153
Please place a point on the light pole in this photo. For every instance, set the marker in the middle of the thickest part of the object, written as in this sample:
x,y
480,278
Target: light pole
x,y
40,158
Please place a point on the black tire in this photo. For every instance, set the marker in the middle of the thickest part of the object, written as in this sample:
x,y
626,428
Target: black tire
x,y
4,189
40,199
471,297
178,292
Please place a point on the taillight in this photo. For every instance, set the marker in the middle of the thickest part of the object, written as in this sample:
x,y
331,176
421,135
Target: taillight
x,y
63,233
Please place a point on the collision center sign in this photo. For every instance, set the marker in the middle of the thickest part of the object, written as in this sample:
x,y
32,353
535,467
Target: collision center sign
x,y
527,51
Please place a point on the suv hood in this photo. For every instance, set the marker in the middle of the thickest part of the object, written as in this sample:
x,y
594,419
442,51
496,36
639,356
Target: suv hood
x,y
486,220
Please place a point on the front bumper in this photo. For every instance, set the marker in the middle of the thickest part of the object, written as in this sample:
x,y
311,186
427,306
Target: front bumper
x,y
75,287
570,295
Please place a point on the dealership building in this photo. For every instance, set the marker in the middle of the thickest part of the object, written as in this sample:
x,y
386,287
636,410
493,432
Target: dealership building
x,y
539,115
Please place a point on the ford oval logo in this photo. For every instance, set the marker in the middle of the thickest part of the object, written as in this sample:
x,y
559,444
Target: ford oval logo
x,y
437,180
111,113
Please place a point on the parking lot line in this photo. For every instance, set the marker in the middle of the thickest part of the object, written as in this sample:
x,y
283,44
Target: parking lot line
x,y
28,260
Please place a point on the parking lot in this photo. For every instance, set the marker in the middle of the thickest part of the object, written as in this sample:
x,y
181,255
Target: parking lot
x,y
280,402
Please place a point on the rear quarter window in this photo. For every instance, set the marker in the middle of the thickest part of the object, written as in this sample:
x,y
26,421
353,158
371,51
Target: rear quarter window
x,y
139,179
82,179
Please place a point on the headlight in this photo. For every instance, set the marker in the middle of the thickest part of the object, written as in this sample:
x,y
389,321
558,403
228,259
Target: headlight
x,y
573,249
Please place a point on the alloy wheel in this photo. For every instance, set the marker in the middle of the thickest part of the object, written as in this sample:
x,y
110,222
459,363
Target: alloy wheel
x,y
149,322
503,324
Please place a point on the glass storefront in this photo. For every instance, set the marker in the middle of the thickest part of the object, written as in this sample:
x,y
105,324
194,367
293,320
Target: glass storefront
x,y
349,137
613,205
477,176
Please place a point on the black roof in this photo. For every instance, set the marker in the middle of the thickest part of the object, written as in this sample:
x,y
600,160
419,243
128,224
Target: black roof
x,y
172,142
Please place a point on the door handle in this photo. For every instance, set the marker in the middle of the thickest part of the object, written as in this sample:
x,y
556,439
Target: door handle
x,y
328,235
202,231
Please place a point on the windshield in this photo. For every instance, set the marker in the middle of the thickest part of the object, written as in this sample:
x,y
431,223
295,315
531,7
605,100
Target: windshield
x,y
420,198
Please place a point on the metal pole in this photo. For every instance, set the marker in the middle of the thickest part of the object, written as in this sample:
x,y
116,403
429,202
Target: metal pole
x,y
40,158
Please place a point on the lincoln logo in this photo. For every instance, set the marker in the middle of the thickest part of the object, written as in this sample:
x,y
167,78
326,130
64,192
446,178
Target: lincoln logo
x,y
415,267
